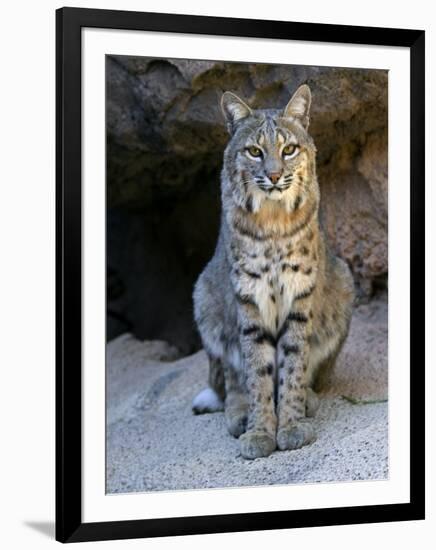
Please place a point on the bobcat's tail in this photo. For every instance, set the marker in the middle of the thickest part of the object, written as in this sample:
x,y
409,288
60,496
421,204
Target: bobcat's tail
x,y
207,401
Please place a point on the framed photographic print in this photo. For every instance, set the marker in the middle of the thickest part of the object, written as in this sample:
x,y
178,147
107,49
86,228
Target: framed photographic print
x,y
240,274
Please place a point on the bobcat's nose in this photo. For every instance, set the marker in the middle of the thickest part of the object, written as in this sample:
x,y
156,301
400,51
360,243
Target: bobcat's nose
x,y
274,177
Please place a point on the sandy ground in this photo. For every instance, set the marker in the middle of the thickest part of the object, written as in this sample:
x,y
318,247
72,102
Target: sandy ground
x,y
154,442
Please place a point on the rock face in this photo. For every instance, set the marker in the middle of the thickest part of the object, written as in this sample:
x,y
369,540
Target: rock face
x,y
155,443
165,139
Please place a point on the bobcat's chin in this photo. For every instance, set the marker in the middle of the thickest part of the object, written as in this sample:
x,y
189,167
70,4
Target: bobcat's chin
x,y
275,194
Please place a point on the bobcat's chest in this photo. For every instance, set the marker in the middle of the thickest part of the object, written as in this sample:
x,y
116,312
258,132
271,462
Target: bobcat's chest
x,y
273,279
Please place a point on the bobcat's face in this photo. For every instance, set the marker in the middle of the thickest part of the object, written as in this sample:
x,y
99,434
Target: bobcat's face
x,y
270,157
270,151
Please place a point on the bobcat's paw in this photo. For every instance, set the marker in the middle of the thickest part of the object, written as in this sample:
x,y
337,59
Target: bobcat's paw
x,y
312,403
296,436
255,444
236,419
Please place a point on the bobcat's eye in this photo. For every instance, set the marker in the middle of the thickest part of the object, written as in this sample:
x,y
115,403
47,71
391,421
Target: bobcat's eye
x,y
290,150
254,151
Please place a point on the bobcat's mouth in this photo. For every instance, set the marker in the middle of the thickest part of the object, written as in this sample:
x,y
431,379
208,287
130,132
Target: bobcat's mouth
x,y
271,188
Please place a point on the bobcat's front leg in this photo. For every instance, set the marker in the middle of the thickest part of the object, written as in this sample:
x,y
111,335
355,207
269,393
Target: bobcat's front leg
x,y
294,430
258,351
236,404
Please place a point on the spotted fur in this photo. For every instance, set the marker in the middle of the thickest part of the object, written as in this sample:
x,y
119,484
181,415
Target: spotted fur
x,y
273,304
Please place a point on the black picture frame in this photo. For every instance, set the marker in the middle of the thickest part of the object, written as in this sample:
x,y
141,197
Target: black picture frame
x,y
69,525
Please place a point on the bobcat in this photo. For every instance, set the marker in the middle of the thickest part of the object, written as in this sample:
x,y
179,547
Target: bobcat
x,y
273,305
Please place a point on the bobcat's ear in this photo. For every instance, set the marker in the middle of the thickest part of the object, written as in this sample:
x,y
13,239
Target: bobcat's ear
x,y
234,110
299,106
